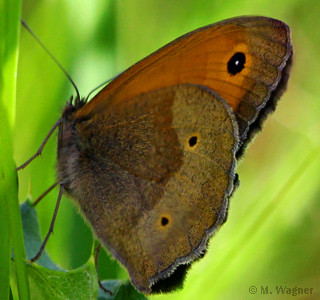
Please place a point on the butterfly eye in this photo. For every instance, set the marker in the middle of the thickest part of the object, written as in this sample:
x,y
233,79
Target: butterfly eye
x,y
193,141
164,221
236,63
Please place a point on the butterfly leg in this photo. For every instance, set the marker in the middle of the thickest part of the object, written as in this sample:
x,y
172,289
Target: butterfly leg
x,y
96,258
41,147
45,193
51,225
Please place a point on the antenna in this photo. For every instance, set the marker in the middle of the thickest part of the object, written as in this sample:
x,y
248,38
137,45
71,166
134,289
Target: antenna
x,y
49,53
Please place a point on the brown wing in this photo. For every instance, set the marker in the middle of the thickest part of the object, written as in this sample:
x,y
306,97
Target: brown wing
x,y
212,56
161,179
154,176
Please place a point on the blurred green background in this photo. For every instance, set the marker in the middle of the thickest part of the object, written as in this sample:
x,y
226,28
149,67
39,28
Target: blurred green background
x,y
272,236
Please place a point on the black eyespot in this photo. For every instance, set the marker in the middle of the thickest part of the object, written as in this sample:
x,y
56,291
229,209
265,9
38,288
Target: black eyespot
x,y
193,141
236,63
164,221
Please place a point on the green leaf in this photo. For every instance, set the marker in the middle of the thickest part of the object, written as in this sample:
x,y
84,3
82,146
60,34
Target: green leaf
x,y
53,284
48,281
122,289
110,285
10,221
32,236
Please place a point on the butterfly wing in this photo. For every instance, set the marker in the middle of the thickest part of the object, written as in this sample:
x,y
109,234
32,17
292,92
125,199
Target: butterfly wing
x,y
153,176
155,150
242,59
